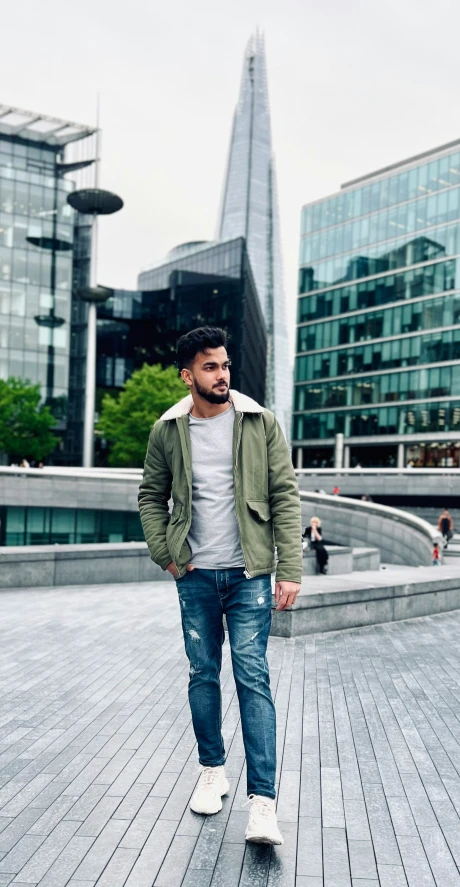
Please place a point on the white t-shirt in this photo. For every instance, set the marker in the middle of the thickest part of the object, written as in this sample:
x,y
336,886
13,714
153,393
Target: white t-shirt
x,y
214,536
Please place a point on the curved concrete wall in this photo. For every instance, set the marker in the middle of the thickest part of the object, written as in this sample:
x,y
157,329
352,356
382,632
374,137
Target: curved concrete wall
x,y
401,537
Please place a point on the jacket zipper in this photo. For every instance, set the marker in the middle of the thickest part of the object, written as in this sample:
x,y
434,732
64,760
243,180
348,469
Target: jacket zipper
x,y
238,443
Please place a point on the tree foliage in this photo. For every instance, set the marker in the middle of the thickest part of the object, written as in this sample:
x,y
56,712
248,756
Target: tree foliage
x,y
126,420
25,425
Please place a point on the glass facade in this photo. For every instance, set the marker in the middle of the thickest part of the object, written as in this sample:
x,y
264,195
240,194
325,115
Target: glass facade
x,y
67,526
37,253
36,235
214,286
379,290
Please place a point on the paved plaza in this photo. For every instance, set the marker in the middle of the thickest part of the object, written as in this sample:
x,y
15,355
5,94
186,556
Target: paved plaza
x,y
98,760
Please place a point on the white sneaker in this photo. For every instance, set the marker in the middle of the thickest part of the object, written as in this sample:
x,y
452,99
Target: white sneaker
x,y
262,826
207,797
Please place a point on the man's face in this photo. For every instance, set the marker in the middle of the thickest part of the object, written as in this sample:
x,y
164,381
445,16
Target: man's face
x,y
209,375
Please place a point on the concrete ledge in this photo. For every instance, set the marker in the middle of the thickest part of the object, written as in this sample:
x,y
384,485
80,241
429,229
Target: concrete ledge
x,y
39,565
367,599
340,560
418,482
366,559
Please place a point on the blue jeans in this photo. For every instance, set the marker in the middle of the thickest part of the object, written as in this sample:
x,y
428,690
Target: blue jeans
x,y
205,595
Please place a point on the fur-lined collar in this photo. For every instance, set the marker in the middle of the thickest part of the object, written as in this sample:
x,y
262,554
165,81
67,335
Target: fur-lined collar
x,y
241,402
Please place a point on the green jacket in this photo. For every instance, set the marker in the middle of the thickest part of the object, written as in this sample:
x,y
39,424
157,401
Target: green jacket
x,y
266,493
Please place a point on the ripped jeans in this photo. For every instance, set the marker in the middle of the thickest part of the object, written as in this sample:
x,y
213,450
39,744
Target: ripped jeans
x,y
205,595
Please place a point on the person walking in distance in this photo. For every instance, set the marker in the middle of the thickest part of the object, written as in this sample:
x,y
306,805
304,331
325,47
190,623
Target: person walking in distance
x,y
224,460
446,526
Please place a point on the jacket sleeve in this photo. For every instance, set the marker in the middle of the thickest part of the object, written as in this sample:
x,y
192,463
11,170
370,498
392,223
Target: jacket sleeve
x,y
284,497
154,495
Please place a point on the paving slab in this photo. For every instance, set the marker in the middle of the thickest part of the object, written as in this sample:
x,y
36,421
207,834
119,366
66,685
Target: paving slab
x,y
98,759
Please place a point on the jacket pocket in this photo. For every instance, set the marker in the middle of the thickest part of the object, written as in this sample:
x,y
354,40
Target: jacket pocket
x,y
260,507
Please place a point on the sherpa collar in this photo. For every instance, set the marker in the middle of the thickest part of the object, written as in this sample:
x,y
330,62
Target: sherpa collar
x,y
241,402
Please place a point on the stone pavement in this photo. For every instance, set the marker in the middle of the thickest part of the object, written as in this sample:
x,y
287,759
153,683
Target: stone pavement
x,y
97,756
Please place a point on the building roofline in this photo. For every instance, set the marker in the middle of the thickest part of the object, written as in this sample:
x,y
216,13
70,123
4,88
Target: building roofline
x,y
409,160
40,128
207,245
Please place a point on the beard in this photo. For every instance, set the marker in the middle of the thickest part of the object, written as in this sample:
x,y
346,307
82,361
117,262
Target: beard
x,y
211,396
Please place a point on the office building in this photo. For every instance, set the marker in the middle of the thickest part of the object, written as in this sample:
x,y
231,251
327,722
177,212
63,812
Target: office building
x,y
39,237
249,209
198,284
378,336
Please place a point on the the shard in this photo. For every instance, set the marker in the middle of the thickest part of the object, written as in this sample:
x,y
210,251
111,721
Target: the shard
x,y
250,209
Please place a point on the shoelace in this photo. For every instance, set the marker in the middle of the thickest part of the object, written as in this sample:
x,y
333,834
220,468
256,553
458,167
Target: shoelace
x,y
261,803
209,775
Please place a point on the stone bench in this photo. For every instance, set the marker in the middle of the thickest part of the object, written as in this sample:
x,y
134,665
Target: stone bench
x,y
342,559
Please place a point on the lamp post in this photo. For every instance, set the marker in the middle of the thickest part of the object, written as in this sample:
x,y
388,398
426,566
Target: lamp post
x,y
94,202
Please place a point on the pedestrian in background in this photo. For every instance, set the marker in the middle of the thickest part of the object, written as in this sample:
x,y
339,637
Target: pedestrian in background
x,y
436,554
315,539
446,526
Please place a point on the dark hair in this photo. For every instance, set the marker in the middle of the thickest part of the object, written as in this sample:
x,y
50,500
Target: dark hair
x,y
199,340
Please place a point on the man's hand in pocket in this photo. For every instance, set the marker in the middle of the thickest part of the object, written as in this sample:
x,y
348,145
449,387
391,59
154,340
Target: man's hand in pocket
x,y
171,568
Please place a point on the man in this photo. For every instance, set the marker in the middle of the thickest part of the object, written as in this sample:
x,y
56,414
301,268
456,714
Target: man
x,y
225,462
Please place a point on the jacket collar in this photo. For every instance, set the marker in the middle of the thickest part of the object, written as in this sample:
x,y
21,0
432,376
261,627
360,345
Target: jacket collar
x,y
241,402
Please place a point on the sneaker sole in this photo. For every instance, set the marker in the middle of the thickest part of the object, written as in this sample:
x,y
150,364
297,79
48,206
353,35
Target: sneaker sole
x,y
261,839
224,791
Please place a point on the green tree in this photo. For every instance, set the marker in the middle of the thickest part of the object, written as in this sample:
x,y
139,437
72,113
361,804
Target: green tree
x,y
126,420
25,425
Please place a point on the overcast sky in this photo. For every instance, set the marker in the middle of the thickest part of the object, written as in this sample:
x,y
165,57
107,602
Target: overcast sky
x,y
353,86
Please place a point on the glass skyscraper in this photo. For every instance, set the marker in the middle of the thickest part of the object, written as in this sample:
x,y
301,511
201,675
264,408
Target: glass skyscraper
x,y
38,234
250,209
378,336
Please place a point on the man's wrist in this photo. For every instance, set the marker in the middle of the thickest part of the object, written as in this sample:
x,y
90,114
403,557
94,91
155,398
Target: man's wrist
x,y
292,581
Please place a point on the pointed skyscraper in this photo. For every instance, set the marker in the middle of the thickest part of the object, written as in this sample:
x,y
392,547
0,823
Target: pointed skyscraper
x,y
250,209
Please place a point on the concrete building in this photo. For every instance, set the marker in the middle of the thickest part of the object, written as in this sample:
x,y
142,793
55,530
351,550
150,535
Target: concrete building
x,y
378,337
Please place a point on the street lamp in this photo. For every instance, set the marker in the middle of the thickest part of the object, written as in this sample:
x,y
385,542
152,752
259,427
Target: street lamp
x,y
94,202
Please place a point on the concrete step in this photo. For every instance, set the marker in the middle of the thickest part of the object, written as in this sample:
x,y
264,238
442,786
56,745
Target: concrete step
x,y
332,603
366,559
451,555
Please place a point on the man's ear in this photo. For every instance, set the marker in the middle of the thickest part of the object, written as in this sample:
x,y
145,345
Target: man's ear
x,y
186,377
